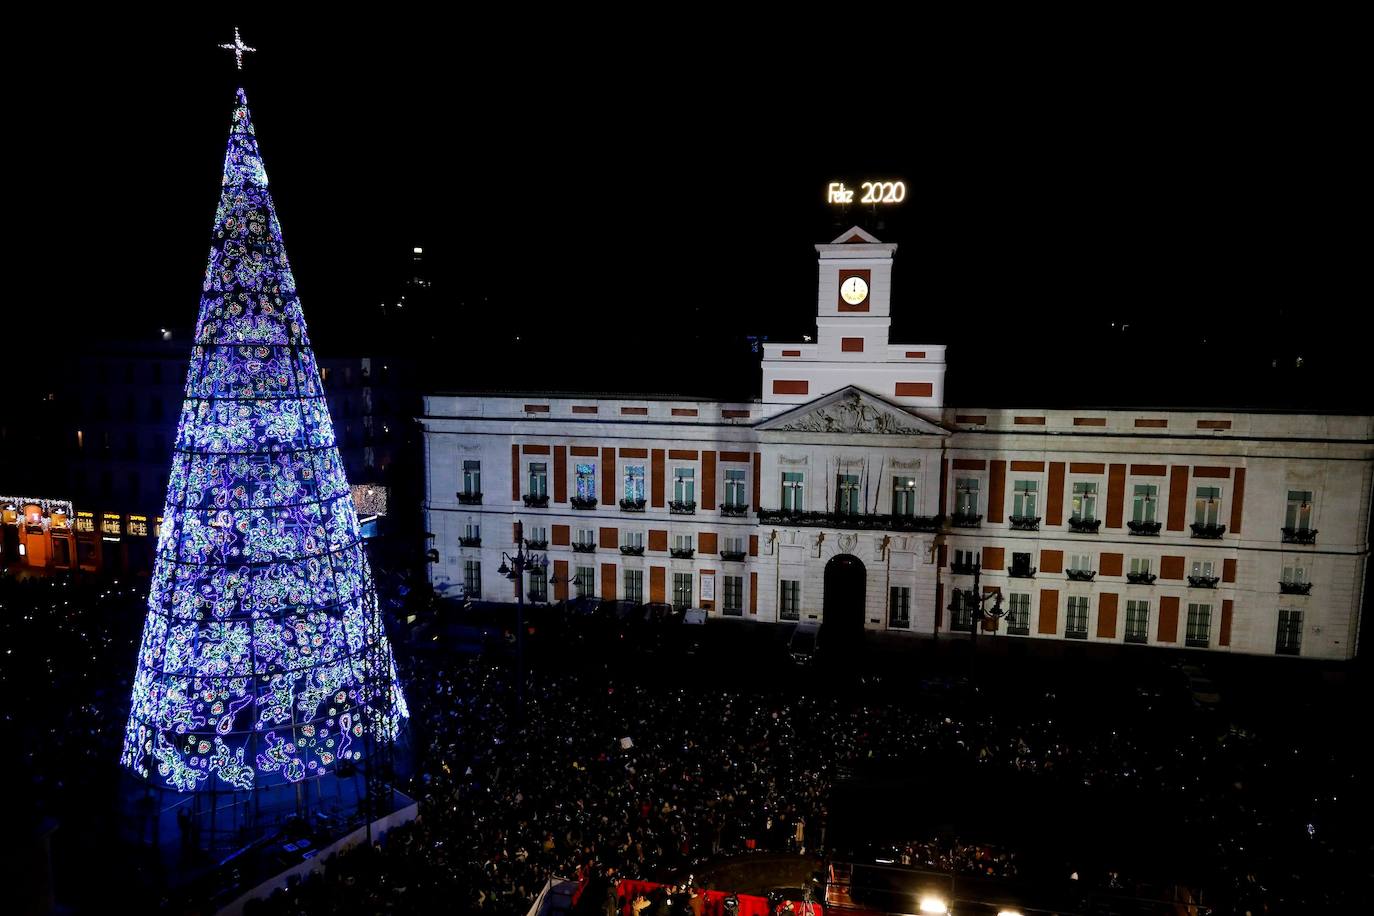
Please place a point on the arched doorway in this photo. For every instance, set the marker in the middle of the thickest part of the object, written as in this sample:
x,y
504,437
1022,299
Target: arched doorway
x,y
845,586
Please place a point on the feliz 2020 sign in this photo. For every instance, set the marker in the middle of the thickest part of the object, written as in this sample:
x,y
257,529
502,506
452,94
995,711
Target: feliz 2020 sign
x,y
874,192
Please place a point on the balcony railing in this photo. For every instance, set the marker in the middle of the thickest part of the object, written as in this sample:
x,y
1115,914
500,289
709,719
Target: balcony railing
x,y
1295,588
1025,522
1145,529
584,546
632,505
1141,578
1084,526
962,569
1300,535
682,553
1016,630
1022,572
1137,638
470,499
1197,642
536,502
629,551
584,502
732,556
845,520
470,542
1211,532
538,597
682,507
1075,634
733,510
537,545
965,520
1203,581
1081,575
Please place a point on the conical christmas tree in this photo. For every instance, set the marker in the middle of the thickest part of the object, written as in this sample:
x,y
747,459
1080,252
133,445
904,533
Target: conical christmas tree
x,y
261,653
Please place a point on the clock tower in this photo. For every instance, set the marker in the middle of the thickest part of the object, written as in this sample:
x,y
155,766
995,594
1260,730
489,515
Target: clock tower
x,y
853,317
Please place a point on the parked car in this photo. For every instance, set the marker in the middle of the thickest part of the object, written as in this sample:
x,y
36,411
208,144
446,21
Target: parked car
x,y
802,644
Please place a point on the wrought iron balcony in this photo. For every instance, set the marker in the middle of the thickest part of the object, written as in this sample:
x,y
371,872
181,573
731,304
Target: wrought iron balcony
x,y
733,510
536,502
845,520
1203,581
962,569
584,502
537,545
1075,634
632,505
1084,525
1300,535
584,546
1211,532
1025,522
1081,575
1018,630
1295,588
470,499
1022,572
965,520
1145,529
1137,638
732,556
538,597
682,553
470,542
1141,578
629,551
682,507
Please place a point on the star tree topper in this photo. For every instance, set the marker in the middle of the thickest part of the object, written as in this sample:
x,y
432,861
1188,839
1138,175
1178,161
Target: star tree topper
x,y
238,47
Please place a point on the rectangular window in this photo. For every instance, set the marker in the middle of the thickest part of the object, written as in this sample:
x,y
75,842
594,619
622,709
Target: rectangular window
x,y
585,581
1137,621
1076,623
1295,573
586,481
1021,564
1203,568
899,607
472,578
1299,515
904,496
682,590
472,531
1023,500
1080,562
1140,566
472,478
1143,509
539,585
1290,633
962,604
634,539
684,485
789,606
634,483
734,595
1199,626
586,537
682,542
1085,501
634,586
1018,616
792,500
539,478
734,544
734,488
847,494
966,496
1207,505
537,535
964,559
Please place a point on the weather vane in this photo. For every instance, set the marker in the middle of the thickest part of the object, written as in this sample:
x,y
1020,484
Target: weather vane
x,y
238,47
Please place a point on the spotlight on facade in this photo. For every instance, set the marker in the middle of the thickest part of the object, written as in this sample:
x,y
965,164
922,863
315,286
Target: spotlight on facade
x,y
934,905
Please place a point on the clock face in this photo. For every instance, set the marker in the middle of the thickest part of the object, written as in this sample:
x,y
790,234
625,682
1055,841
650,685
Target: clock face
x,y
854,290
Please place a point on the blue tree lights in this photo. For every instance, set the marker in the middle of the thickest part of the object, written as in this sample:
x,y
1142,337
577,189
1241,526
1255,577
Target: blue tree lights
x,y
254,668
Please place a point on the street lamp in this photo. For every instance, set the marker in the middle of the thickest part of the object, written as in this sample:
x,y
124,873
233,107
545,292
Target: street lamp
x,y
976,605
522,562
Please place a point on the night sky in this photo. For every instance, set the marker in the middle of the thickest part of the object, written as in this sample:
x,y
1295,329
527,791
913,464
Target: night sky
x,y
633,211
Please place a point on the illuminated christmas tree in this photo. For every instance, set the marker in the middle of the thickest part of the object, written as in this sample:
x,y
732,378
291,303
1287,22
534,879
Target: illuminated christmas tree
x,y
263,660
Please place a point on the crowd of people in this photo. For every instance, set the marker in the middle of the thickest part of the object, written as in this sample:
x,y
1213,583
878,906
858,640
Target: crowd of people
x,y
610,772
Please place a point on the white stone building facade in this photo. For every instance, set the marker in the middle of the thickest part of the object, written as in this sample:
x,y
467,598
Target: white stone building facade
x,y
850,495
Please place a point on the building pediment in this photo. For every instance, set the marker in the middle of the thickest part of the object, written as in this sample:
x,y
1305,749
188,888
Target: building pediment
x,y
852,411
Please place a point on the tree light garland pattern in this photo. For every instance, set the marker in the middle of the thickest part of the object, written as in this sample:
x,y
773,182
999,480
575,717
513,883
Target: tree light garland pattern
x,y
254,664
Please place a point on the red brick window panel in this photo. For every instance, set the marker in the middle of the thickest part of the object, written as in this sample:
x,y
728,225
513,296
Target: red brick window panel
x,y
1089,421
971,419
791,353
684,411
536,408
634,411
1213,424
735,414
791,386
851,344
915,389
915,354
1029,421
584,408
1151,423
